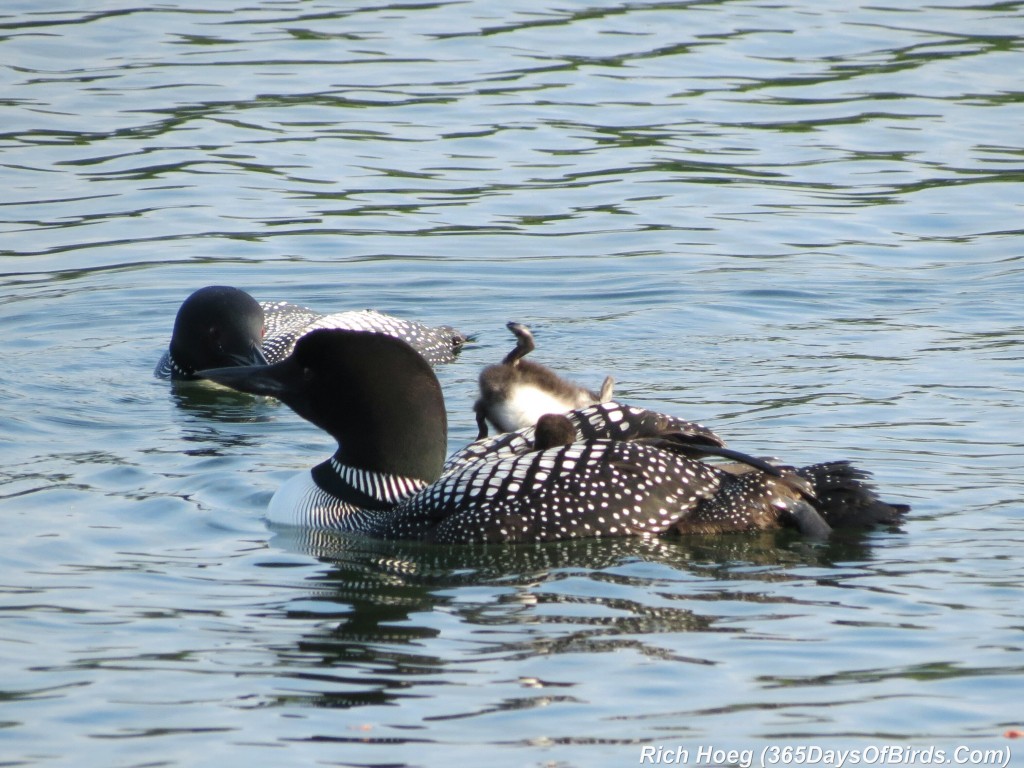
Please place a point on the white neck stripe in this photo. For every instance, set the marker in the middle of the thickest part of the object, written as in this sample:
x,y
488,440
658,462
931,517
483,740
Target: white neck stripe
x,y
379,485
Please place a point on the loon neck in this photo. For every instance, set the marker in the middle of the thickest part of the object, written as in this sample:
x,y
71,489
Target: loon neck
x,y
390,433
362,488
176,369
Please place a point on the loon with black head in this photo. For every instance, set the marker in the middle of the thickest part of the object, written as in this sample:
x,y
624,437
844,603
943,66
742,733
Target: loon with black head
x,y
624,472
219,326
516,392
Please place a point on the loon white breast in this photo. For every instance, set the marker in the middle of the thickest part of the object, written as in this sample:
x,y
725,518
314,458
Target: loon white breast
x,y
516,392
219,326
617,471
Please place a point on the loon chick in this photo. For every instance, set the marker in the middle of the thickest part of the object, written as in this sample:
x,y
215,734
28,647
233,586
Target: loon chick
x,y
516,392
219,325
625,471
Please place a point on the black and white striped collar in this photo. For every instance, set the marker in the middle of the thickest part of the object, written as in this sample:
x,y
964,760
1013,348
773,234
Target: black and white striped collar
x,y
168,368
362,487
177,370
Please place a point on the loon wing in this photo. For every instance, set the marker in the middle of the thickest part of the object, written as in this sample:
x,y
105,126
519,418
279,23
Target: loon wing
x,y
582,490
604,421
286,323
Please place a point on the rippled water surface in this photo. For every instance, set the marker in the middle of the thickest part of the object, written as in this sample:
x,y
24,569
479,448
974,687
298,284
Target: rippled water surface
x,y
797,222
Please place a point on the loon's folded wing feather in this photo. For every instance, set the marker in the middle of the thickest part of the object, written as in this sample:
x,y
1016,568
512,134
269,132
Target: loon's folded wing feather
x,y
587,489
284,324
607,421
287,323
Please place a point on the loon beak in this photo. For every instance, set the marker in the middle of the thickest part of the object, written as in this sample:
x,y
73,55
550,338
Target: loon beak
x,y
253,357
254,379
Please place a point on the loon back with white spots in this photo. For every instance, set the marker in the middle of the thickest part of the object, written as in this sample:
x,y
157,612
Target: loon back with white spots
x,y
516,392
219,326
287,323
624,472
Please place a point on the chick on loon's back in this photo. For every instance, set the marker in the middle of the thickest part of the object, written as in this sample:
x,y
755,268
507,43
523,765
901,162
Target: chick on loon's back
x,y
516,392
625,471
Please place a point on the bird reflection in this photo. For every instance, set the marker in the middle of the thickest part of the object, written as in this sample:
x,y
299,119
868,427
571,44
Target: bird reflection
x,y
202,406
382,605
209,401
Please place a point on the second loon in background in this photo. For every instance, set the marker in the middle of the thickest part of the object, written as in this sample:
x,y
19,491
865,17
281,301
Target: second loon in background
x,y
220,325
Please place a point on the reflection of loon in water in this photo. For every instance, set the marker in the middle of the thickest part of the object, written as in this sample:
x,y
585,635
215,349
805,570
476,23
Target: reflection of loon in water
x,y
376,600
711,556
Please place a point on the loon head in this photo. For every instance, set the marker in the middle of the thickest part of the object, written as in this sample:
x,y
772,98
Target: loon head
x,y
553,429
217,326
375,394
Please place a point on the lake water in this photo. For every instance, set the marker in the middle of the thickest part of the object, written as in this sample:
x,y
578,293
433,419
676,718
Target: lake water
x,y
798,222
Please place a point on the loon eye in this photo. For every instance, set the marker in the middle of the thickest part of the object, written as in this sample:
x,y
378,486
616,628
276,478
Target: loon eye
x,y
214,335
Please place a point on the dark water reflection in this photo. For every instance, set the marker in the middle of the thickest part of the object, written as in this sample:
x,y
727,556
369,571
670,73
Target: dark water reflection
x,y
623,595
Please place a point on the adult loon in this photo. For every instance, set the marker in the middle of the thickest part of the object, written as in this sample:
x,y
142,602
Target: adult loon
x,y
219,325
515,393
625,471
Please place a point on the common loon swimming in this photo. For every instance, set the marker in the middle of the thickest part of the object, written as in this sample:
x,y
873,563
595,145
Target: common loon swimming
x,y
624,472
219,325
516,392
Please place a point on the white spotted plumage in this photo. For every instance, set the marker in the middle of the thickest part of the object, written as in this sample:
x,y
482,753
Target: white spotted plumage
x,y
286,323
